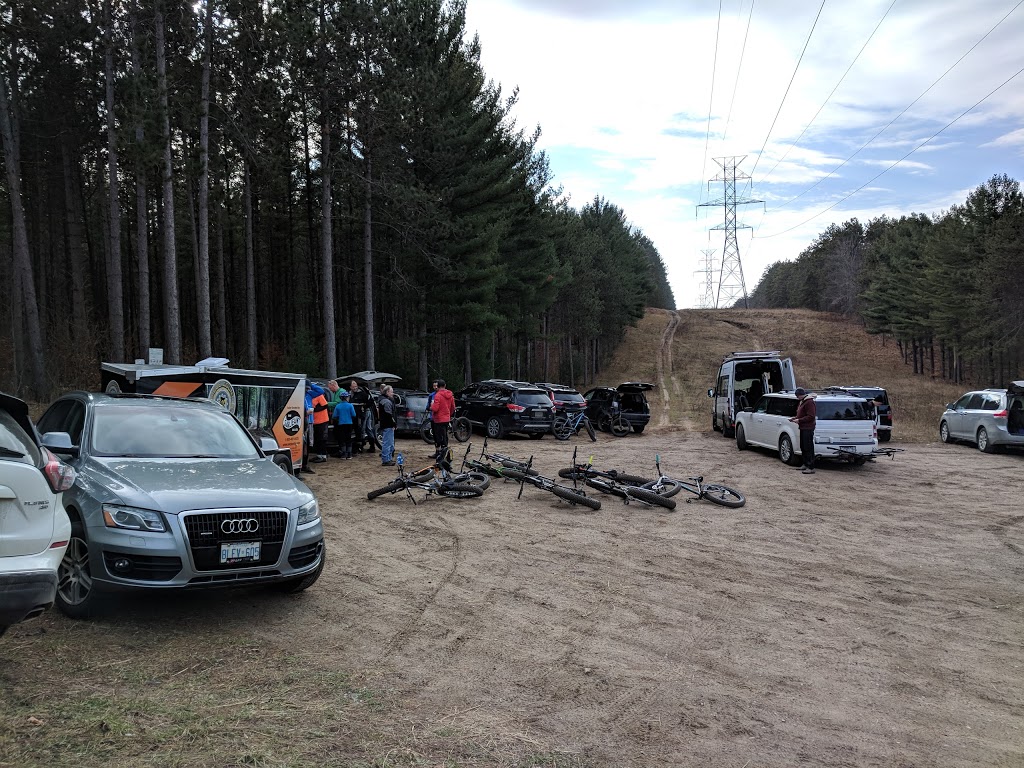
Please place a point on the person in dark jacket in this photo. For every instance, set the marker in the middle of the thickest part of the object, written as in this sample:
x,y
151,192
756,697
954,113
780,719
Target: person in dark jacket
x,y
386,407
442,407
806,418
360,398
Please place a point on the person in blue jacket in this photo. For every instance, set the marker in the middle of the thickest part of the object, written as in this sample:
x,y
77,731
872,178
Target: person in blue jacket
x,y
344,418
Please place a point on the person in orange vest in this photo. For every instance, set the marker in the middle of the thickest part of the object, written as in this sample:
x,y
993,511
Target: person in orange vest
x,y
321,417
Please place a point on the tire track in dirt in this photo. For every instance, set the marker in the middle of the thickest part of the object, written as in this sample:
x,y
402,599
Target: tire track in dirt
x,y
400,638
665,366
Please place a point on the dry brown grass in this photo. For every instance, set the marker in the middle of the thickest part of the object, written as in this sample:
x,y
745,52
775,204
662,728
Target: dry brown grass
x,y
826,350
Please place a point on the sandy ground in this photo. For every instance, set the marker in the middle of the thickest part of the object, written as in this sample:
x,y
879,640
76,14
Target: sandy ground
x,y
860,616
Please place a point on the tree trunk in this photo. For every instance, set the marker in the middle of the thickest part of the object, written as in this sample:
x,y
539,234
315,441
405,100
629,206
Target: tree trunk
x,y
144,322
115,293
326,235
252,346
368,267
467,358
203,273
76,250
218,285
172,312
22,259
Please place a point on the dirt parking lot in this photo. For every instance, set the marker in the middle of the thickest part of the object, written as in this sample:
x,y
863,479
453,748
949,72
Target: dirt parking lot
x,y
860,616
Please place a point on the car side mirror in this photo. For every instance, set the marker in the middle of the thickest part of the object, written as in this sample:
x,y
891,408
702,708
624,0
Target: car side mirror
x,y
60,442
269,445
711,393
949,406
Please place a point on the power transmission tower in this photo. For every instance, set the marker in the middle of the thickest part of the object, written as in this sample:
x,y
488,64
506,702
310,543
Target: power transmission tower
x,y
731,285
707,268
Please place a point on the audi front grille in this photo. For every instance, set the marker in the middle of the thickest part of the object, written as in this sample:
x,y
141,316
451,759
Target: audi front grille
x,y
207,531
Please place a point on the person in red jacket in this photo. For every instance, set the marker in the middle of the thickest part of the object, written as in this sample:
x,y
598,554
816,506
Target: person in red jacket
x,y
806,418
442,408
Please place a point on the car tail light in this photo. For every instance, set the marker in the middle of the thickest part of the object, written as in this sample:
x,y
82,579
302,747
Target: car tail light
x,y
410,415
1003,414
59,475
515,408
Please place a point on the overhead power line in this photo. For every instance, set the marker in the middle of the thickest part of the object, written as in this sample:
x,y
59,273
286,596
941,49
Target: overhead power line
x,y
829,97
791,79
923,143
905,109
711,101
739,69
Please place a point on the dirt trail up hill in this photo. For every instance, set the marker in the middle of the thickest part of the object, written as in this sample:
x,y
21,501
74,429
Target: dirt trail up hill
x,y
861,616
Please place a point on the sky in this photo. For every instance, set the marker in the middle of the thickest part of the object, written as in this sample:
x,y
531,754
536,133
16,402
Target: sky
x,y
840,109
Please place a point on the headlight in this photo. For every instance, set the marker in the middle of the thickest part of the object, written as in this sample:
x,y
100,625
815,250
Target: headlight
x,y
132,518
309,513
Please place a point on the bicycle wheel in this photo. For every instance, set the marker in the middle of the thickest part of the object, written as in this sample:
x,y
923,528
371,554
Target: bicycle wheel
x,y
479,479
664,488
590,429
717,493
459,490
519,466
427,433
619,426
462,429
561,428
392,487
650,497
575,497
573,473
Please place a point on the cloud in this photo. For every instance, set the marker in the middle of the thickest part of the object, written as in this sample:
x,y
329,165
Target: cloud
x,y
1011,139
902,164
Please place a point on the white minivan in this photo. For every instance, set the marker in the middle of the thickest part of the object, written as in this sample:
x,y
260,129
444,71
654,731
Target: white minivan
x,y
845,427
743,379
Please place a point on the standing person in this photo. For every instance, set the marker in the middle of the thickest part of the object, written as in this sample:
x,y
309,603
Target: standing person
x,y
320,420
307,433
333,396
442,407
344,419
360,400
386,405
806,417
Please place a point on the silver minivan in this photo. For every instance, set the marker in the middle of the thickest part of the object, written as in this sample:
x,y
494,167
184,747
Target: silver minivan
x,y
990,418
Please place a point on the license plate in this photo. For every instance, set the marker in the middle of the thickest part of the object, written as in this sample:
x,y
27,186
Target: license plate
x,y
240,552
847,448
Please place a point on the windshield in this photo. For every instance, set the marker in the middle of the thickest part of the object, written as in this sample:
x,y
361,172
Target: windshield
x,y
146,431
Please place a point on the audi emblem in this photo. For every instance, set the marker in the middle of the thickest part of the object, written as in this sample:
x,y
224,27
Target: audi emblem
x,y
247,525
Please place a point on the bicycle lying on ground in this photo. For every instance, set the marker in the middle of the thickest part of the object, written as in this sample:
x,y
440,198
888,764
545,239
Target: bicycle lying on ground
x,y
459,428
568,424
437,478
493,464
716,493
524,473
626,487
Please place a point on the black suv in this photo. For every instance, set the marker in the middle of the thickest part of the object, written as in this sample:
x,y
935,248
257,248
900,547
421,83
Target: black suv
x,y
565,398
628,399
500,406
883,411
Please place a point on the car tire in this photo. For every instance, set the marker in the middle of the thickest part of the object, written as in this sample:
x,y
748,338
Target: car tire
x,y
714,423
77,596
291,586
985,444
741,438
638,428
944,435
786,452
494,428
536,435
284,461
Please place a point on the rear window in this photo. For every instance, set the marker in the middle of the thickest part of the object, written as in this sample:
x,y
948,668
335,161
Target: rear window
x,y
568,397
870,393
15,443
416,402
843,410
533,398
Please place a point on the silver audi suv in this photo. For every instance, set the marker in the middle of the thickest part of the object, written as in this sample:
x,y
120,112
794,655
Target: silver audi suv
x,y
174,493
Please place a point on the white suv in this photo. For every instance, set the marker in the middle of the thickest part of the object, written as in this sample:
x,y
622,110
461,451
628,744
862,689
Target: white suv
x,y
845,427
34,529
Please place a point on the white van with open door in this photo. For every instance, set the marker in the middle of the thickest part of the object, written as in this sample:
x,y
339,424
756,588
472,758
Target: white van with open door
x,y
742,380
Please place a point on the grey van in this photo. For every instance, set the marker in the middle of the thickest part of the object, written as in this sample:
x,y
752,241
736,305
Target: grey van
x,y
990,418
